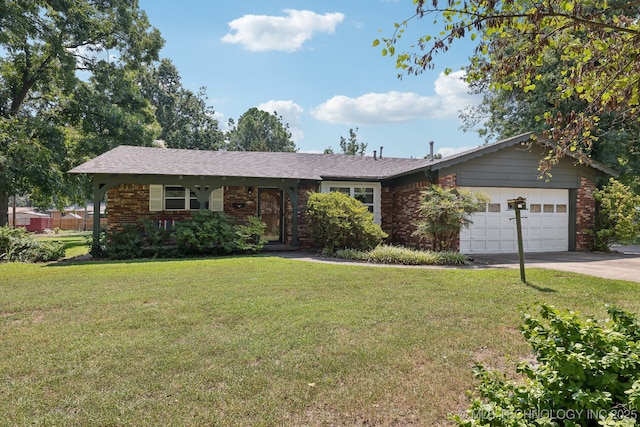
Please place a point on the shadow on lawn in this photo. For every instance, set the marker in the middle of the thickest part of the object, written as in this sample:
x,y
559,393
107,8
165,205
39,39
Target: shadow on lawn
x,y
539,288
88,260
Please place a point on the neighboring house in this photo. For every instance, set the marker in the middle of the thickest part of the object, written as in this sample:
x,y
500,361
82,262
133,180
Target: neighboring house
x,y
167,184
30,219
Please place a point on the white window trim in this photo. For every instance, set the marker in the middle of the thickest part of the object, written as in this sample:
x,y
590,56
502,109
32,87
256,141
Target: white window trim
x,y
156,198
325,187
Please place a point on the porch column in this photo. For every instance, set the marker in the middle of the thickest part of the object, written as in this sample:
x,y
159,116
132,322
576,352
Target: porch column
x,y
99,191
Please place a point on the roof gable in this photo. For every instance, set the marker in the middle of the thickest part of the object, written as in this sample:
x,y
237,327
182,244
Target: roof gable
x,y
523,139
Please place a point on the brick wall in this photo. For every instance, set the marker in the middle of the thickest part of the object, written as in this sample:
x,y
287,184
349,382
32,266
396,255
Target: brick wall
x,y
130,202
400,210
239,203
447,181
585,215
399,207
304,237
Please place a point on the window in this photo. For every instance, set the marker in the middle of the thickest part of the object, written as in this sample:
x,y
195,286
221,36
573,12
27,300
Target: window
x,y
494,207
535,208
175,197
366,192
561,208
548,208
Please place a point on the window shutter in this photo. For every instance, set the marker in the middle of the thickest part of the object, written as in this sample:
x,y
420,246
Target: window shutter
x,y
216,201
155,197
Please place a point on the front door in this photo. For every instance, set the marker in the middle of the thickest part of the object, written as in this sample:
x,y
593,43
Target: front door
x,y
270,212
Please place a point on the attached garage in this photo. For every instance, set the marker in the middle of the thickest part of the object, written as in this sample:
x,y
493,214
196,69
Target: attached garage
x,y
545,223
560,208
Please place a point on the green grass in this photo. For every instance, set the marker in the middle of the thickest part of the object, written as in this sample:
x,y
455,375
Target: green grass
x,y
76,243
263,340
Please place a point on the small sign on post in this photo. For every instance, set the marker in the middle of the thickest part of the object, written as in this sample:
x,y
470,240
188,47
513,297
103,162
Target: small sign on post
x,y
518,205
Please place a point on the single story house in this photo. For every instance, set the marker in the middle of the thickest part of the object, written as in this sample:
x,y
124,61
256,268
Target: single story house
x,y
167,184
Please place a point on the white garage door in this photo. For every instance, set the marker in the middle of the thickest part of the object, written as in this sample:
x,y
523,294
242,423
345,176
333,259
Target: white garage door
x,y
545,223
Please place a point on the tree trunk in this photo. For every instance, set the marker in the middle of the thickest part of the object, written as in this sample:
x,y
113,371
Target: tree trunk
x,y
4,208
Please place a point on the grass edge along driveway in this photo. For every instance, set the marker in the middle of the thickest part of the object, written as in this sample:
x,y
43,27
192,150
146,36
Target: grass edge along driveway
x,y
263,340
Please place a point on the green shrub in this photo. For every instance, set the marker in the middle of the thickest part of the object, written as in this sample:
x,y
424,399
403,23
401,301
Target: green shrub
x,y
443,212
18,245
206,232
250,237
385,254
338,221
585,373
126,243
618,218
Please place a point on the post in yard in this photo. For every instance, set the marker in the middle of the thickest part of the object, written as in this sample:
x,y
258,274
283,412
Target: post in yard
x,y
519,204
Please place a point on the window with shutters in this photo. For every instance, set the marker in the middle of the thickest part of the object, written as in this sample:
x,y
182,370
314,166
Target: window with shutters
x,y
176,198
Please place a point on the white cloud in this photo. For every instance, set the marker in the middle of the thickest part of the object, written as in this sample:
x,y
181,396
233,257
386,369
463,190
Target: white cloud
x,y
281,33
290,112
396,107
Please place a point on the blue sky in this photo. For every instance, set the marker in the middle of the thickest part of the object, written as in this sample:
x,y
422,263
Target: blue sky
x,y
313,62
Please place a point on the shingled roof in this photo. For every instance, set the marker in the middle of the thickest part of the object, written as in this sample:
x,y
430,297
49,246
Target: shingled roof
x,y
167,161
129,160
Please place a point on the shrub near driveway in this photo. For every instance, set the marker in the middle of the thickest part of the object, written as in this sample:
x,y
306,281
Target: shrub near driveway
x,y
262,340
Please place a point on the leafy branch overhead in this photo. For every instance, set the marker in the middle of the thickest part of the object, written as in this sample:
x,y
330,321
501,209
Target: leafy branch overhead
x,y
598,44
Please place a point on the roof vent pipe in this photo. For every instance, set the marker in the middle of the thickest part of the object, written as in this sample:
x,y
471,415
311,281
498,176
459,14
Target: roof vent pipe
x,y
381,147
431,150
374,154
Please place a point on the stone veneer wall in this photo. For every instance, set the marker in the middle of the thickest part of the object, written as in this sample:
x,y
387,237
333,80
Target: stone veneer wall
x,y
585,214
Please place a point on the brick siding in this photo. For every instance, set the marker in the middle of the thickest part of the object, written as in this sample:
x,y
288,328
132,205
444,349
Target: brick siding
x,y
585,215
130,202
400,210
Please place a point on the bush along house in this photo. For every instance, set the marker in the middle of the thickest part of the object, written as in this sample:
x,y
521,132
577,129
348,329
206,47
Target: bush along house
x,y
166,185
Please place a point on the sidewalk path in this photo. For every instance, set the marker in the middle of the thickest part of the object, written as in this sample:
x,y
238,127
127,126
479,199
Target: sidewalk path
x,y
622,264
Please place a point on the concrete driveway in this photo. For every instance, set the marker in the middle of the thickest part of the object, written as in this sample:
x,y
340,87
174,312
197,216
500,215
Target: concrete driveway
x,y
623,264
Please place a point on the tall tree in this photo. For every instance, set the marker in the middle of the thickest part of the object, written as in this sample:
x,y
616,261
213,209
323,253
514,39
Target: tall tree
x,y
259,130
351,145
43,44
186,119
599,61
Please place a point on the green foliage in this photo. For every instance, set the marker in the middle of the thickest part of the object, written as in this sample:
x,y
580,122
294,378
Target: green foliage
x,y
386,254
250,237
590,47
124,244
52,118
338,221
259,130
206,232
585,373
443,212
351,146
186,120
17,245
618,218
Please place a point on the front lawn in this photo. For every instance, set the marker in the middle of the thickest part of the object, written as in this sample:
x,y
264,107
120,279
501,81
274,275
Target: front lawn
x,y
263,340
